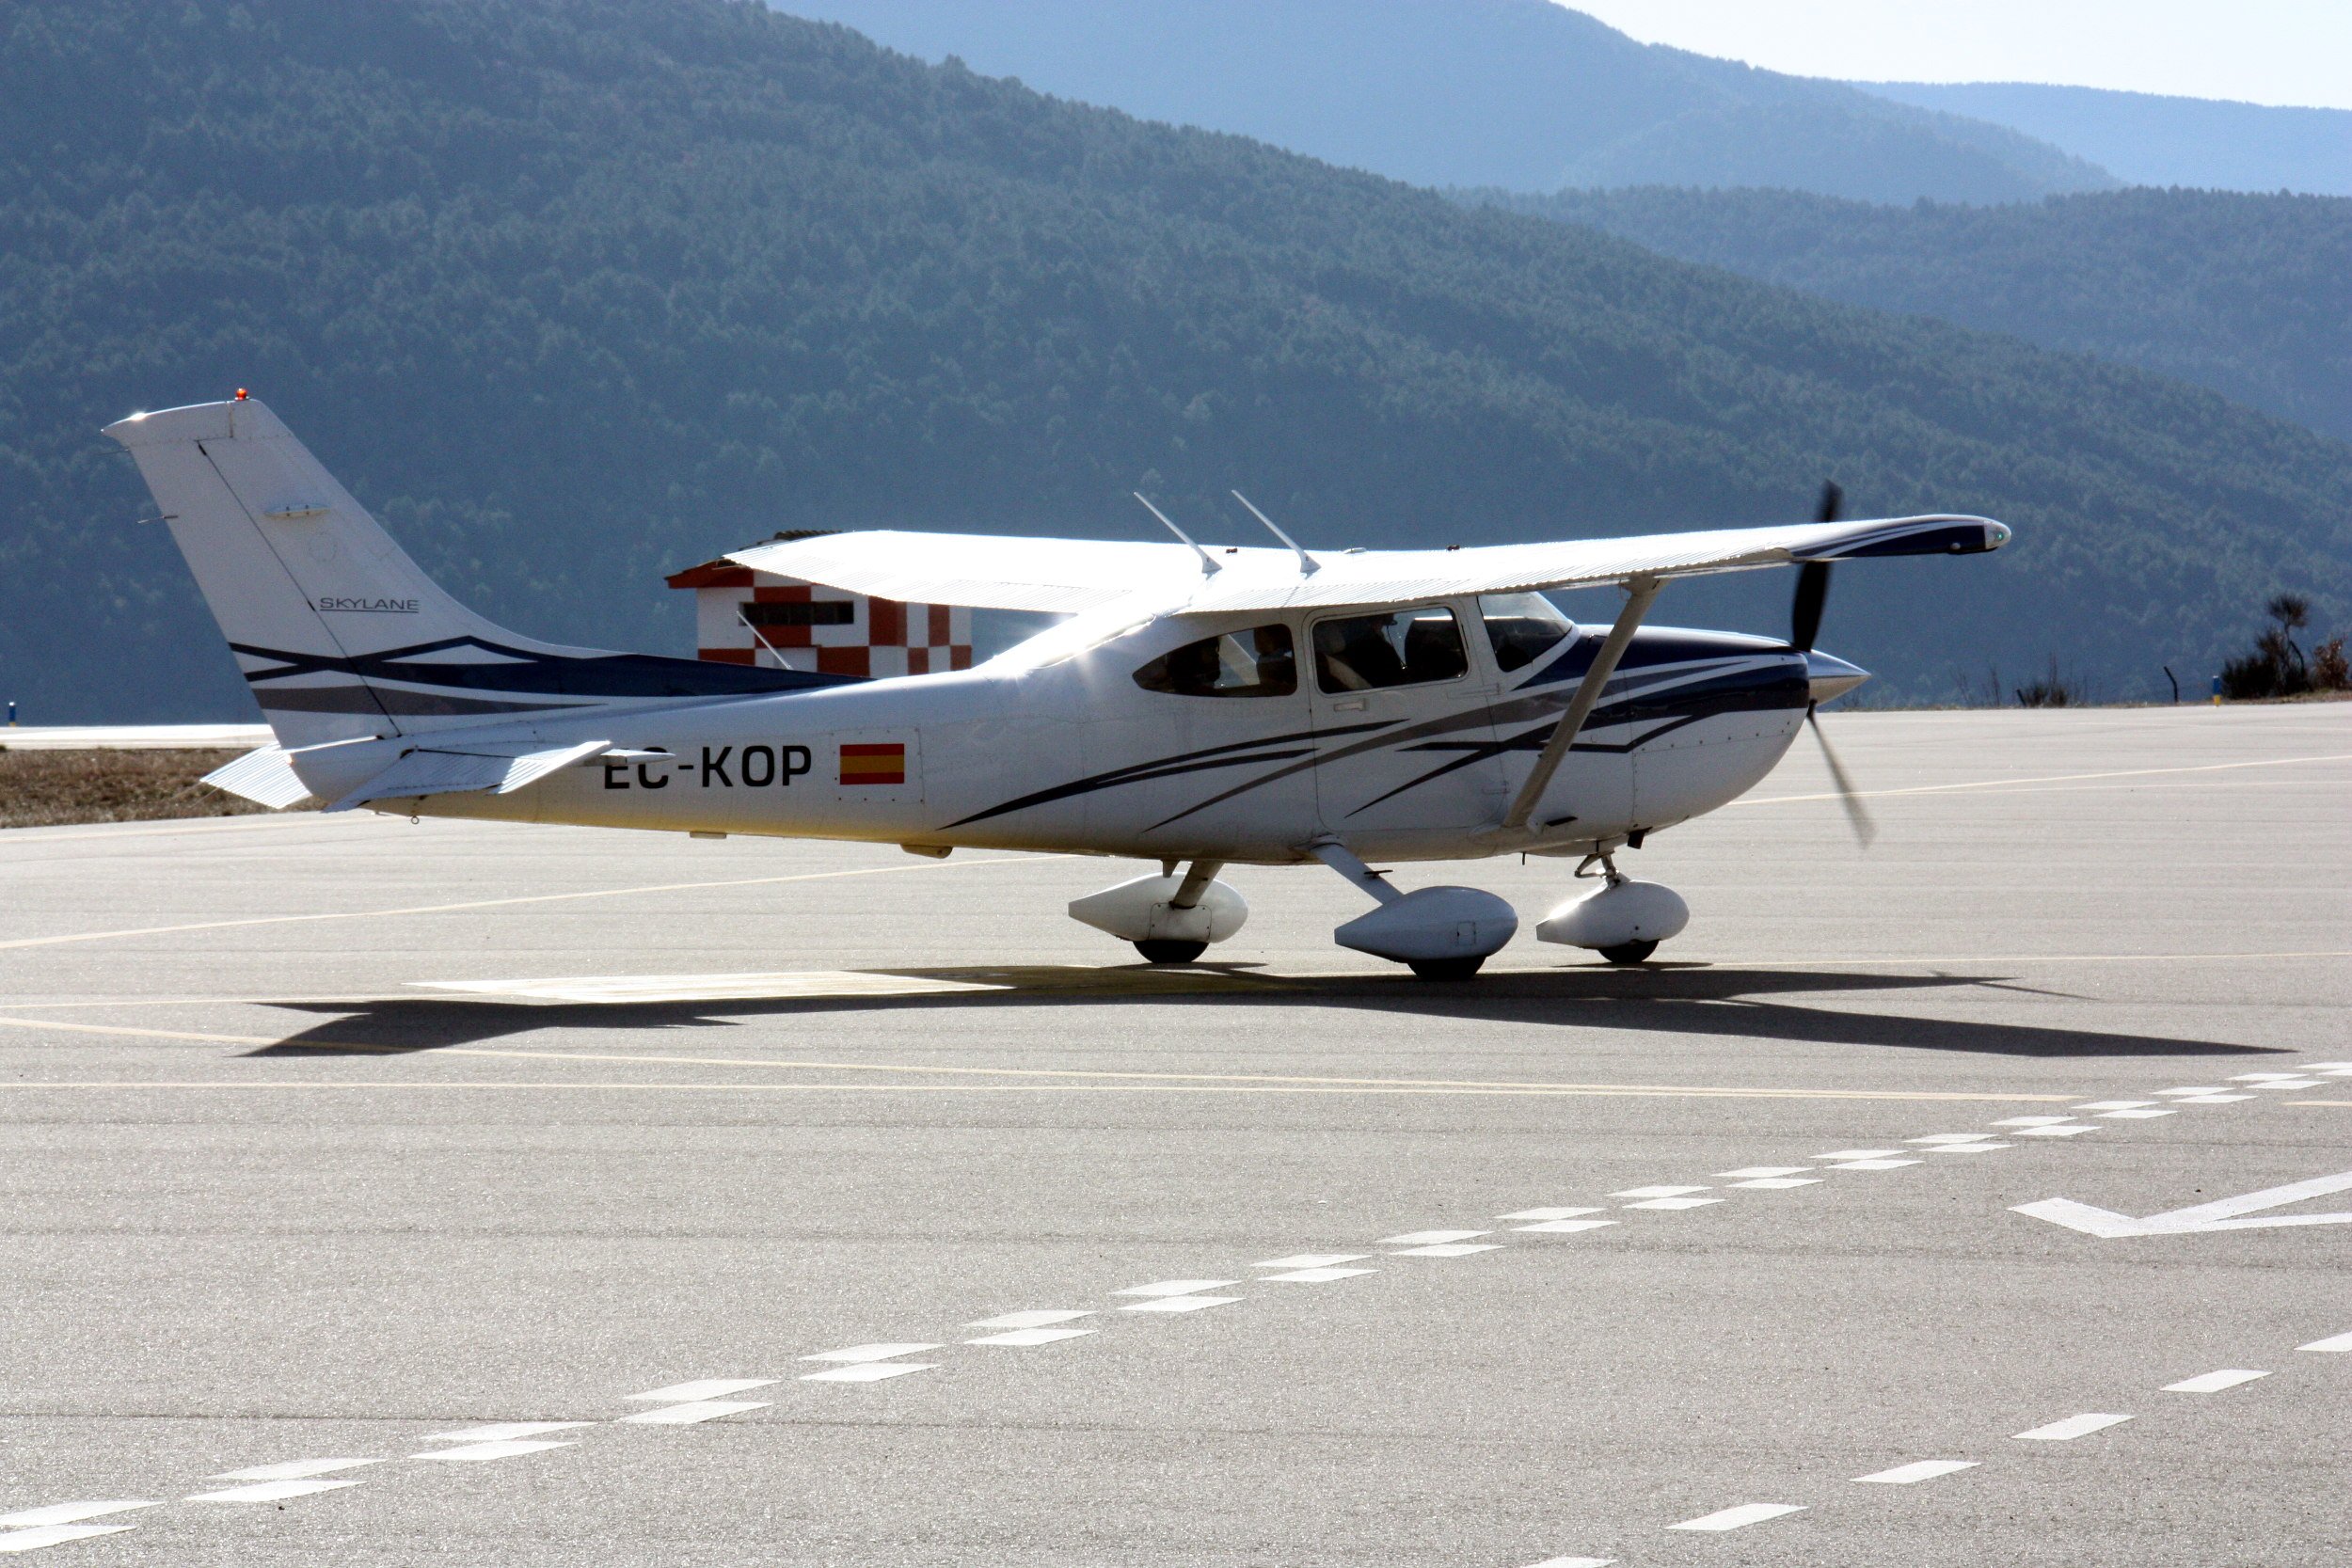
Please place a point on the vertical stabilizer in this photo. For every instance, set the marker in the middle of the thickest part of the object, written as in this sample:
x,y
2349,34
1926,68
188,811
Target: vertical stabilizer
x,y
339,634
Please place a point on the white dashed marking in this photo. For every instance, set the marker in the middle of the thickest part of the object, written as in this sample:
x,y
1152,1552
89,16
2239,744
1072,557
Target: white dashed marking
x,y
693,1412
1778,1183
2033,1121
1674,1203
2071,1428
708,1388
295,1469
1658,1192
269,1491
482,1453
2212,1099
1752,1173
1976,1148
1734,1518
1023,1337
879,1352
1925,1469
2114,1105
1427,1238
2213,1382
1549,1213
1316,1276
1038,1318
1176,1287
501,1430
1857,1154
2070,1130
1562,1227
1934,1138
871,1371
2339,1344
1872,1165
2263,1080
2290,1084
1314,1259
55,1535
67,1513
1447,1249
2143,1114
1179,1304
2193,1090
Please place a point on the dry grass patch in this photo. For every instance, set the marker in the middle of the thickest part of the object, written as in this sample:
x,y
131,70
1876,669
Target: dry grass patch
x,y
46,789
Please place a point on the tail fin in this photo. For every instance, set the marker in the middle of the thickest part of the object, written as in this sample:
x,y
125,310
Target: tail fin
x,y
339,633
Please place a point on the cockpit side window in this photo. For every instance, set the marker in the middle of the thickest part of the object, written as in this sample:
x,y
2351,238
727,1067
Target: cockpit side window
x,y
1404,648
1522,627
1258,661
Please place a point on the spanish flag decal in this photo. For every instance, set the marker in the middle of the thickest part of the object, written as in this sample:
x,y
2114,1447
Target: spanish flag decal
x,y
882,764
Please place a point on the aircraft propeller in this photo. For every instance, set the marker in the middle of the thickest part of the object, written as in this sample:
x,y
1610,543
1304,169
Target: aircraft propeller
x,y
1804,625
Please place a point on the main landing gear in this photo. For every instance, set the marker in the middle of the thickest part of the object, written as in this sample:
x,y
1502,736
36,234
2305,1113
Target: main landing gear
x,y
1170,919
1622,920
1439,933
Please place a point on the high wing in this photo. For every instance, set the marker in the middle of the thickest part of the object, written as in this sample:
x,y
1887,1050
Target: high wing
x,y
1074,576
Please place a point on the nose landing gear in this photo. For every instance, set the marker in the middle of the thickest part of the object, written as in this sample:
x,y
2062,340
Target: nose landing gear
x,y
1622,920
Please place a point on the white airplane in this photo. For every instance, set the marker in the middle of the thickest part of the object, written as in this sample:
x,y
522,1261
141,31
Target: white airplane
x,y
1199,707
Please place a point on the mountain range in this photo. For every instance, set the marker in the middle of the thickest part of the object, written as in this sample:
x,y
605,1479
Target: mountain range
x,y
1521,94
574,292
2250,295
2153,140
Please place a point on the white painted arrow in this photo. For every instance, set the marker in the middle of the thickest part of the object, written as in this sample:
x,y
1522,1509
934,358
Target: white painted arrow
x,y
2203,1217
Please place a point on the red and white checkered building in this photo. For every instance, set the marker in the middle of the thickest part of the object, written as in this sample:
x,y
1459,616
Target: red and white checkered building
x,y
743,616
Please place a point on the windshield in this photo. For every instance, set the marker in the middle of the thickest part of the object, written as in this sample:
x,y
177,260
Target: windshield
x,y
1522,627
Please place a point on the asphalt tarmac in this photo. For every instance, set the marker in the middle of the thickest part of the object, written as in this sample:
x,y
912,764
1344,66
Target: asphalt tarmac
x,y
820,1193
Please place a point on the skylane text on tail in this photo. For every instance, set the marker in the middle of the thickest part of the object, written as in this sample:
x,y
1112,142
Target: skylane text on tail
x,y
1199,707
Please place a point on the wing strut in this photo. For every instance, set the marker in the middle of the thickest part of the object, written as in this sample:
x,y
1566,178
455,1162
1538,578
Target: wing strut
x,y
1208,565
1639,594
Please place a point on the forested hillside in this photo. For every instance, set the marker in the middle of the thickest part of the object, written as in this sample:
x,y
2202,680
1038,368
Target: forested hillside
x,y
2250,295
2151,140
1524,94
572,291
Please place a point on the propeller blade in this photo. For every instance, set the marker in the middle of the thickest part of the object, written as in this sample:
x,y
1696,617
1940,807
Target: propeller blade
x,y
1804,612
1863,828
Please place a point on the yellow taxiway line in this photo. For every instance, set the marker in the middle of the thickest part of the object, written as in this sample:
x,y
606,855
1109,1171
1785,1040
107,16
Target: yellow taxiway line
x,y
1057,1077
2047,778
507,903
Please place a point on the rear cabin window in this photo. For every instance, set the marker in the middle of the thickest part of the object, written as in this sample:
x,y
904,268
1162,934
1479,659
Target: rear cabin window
x,y
1404,648
1259,662
1522,627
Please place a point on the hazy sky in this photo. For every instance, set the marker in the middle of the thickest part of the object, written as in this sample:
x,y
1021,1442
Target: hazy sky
x,y
2259,50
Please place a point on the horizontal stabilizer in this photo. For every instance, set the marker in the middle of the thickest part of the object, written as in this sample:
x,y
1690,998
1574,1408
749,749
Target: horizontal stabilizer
x,y
265,777
491,770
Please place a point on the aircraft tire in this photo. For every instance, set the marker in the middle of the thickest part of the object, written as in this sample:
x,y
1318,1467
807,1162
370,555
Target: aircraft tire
x,y
1164,952
1446,969
1628,952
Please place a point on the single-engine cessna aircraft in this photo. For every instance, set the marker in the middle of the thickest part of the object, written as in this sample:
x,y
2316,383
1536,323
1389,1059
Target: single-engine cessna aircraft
x,y
1199,707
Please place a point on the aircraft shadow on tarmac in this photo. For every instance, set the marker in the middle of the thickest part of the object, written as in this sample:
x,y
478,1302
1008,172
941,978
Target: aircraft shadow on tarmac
x,y
1696,1000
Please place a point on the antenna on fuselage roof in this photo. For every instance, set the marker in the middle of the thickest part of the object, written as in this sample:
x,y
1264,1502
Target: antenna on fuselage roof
x,y
1208,567
1305,562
